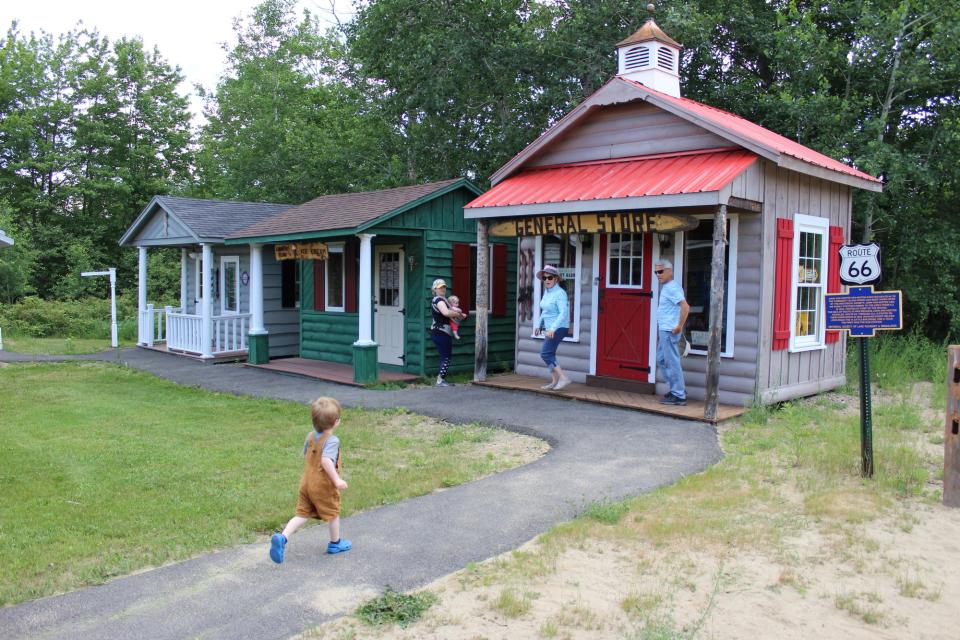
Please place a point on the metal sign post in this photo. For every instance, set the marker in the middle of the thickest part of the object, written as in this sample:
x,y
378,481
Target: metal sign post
x,y
112,272
862,311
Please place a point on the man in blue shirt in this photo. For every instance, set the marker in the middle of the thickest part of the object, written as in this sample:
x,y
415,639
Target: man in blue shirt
x,y
671,315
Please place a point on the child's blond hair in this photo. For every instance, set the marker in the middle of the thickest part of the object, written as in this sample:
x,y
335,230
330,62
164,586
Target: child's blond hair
x,y
325,411
454,300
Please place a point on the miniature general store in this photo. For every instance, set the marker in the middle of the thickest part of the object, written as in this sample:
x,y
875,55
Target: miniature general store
x,y
637,173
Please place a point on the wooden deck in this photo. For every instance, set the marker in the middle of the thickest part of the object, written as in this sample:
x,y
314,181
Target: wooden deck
x,y
233,356
642,402
329,371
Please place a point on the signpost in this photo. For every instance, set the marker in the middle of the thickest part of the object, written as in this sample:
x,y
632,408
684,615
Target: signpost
x,y
862,312
113,301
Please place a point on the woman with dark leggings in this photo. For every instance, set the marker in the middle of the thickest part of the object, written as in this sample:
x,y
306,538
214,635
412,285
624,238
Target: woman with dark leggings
x,y
440,331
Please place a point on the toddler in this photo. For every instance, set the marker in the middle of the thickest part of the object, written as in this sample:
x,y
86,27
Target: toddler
x,y
454,303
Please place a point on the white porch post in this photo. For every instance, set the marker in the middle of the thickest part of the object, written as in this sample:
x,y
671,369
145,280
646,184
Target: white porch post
x,y
142,327
365,291
206,304
183,280
256,290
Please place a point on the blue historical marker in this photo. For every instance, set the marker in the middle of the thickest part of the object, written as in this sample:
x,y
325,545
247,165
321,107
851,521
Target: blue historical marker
x,y
862,311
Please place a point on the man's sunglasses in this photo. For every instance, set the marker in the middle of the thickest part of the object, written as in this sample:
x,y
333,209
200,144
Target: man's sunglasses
x,y
659,271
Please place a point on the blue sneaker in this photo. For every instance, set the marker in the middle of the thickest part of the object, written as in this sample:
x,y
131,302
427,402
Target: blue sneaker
x,y
339,547
277,544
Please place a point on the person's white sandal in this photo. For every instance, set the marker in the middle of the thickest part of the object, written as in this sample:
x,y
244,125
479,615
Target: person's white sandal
x,y
561,383
549,386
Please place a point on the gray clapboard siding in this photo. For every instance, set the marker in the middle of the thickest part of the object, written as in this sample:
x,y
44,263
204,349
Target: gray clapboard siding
x,y
622,131
784,375
737,374
574,357
157,233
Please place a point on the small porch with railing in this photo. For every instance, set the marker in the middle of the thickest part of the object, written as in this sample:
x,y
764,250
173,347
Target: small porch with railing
x,y
169,329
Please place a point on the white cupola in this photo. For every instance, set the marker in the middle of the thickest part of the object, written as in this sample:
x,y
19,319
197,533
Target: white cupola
x,y
651,57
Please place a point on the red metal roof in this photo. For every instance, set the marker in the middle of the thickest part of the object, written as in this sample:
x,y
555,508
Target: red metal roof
x,y
661,174
757,134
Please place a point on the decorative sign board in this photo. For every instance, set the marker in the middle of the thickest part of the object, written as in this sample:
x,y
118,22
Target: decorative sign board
x,y
301,251
569,224
862,311
860,264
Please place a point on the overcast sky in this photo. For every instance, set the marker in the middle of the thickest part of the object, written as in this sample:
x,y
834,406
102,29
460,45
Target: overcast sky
x,y
188,33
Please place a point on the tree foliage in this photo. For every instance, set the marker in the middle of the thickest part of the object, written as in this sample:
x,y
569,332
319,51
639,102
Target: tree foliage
x,y
89,131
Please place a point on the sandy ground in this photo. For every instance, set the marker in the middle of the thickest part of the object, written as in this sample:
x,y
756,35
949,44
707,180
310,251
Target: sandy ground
x,y
896,576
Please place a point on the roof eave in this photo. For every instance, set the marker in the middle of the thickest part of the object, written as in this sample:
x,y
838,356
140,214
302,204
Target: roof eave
x,y
698,199
145,215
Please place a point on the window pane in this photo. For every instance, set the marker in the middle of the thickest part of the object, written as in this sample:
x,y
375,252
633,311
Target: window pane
x,y
625,259
389,278
697,266
335,280
230,279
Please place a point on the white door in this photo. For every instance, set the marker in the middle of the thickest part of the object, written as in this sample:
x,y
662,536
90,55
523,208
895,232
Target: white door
x,y
388,293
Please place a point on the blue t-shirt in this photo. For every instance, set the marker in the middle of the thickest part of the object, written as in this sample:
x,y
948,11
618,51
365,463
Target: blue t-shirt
x,y
668,313
331,448
554,309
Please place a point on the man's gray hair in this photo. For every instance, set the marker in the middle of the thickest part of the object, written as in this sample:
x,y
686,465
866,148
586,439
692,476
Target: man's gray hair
x,y
664,263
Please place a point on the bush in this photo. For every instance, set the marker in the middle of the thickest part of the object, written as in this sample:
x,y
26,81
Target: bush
x,y
85,318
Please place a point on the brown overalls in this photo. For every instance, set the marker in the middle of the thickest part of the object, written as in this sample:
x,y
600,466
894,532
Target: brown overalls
x,y
319,497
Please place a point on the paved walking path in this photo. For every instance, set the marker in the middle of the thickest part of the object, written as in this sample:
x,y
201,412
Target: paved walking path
x,y
597,452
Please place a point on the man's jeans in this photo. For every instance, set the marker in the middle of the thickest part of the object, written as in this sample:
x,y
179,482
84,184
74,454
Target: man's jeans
x,y
668,359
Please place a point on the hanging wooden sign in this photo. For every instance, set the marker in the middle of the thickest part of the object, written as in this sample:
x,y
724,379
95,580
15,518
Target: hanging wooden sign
x,y
569,224
301,251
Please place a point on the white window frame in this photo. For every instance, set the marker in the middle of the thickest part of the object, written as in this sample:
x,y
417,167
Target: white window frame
x,y
680,240
574,333
643,276
335,248
224,261
808,224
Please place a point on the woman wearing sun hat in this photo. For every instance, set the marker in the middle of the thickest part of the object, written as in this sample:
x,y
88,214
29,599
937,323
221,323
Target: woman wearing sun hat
x,y
554,324
440,331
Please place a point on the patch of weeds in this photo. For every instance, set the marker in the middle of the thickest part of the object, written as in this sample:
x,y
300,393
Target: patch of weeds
x,y
790,578
393,607
641,605
659,628
862,605
899,416
936,438
549,629
606,511
580,617
913,587
512,604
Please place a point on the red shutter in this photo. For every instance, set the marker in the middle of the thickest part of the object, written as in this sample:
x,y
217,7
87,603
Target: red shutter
x,y
783,284
319,280
498,297
833,271
460,282
350,268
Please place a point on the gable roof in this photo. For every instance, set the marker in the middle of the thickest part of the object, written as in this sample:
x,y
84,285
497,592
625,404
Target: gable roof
x,y
624,179
761,141
207,220
348,211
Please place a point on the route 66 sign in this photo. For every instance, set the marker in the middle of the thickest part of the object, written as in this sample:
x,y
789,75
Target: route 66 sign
x,y
860,263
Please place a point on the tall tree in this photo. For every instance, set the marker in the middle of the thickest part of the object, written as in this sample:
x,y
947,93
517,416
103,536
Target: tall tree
x,y
282,124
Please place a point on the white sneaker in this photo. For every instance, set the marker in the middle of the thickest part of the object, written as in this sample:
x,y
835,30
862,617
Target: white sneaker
x,y
548,386
561,383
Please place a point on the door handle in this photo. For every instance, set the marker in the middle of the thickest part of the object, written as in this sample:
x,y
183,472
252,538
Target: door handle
x,y
403,312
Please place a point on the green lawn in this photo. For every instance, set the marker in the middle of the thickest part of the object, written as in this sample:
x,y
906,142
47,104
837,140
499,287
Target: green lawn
x,y
105,470
58,346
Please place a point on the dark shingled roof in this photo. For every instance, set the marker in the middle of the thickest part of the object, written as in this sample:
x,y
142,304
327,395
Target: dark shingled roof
x,y
218,218
340,211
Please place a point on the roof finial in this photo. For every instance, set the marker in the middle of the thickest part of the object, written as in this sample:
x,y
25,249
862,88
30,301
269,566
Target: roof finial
x,y
651,8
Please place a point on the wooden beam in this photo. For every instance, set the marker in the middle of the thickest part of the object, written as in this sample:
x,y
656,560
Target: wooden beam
x,y
482,303
712,391
742,204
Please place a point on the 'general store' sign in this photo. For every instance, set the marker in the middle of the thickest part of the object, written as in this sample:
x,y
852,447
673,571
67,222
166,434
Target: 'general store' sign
x,y
301,251
630,222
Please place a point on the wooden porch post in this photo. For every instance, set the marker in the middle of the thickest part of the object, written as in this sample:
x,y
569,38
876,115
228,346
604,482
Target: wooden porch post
x,y
142,326
483,302
716,313
206,303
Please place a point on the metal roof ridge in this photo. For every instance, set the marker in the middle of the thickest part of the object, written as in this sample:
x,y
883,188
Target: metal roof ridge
x,y
652,156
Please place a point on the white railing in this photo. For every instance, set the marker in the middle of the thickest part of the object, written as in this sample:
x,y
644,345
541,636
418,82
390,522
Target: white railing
x,y
184,331
153,324
228,335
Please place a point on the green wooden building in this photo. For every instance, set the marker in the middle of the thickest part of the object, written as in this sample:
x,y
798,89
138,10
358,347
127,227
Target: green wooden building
x,y
366,262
